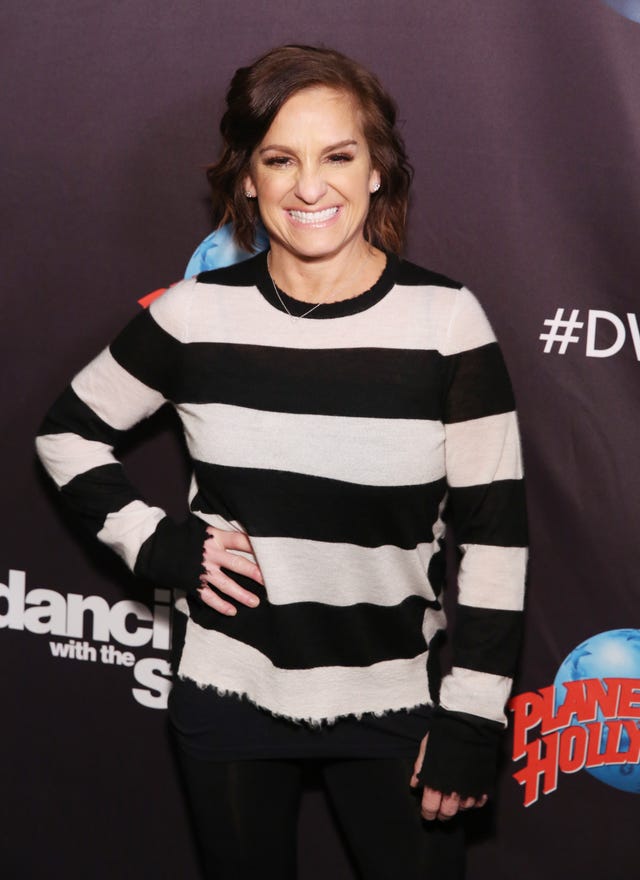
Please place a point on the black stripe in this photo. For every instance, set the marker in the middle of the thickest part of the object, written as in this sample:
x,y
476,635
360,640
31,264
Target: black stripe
x,y
150,354
327,381
281,504
306,635
434,664
98,492
479,385
487,640
69,414
437,571
240,274
408,384
172,556
416,276
494,514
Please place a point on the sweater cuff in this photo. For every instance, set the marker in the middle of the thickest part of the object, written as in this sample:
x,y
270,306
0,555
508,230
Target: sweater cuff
x,y
461,754
172,556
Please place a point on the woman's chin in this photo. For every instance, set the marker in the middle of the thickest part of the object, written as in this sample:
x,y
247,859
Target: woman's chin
x,y
312,244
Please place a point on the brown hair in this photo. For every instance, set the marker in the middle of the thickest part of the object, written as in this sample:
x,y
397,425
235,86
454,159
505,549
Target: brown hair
x,y
255,96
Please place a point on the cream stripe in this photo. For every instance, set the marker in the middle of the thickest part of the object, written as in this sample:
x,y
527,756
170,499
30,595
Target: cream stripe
x,y
214,519
126,530
483,450
432,623
374,452
319,694
66,456
342,574
492,577
469,327
478,693
215,310
114,394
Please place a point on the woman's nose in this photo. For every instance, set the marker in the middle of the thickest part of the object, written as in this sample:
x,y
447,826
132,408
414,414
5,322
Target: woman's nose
x,y
310,185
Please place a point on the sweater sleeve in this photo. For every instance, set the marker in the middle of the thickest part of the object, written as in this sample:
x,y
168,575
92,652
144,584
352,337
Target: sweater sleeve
x,y
487,516
124,384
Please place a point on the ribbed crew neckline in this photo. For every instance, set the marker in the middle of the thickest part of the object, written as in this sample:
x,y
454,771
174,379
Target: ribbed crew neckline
x,y
339,309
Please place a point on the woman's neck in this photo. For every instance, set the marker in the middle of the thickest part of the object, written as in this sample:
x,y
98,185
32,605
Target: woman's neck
x,y
329,279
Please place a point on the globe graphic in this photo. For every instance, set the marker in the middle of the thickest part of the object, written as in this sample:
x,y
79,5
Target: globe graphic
x,y
629,8
613,654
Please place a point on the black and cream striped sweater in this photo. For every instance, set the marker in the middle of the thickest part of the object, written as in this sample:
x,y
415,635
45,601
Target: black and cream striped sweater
x,y
335,442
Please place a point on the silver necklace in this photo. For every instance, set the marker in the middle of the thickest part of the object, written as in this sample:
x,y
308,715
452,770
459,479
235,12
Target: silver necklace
x,y
322,302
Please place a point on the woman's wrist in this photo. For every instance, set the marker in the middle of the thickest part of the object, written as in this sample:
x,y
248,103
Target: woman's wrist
x,y
461,754
172,556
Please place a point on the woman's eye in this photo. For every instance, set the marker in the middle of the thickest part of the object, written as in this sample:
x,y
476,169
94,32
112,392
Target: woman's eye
x,y
338,158
277,161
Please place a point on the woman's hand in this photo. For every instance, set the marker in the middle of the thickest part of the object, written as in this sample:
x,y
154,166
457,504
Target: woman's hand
x,y
216,556
436,805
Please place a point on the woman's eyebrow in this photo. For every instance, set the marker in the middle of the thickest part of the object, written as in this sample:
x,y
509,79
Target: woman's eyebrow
x,y
349,142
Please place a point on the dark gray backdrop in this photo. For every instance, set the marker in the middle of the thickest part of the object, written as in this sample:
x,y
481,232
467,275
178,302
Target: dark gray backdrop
x,y
522,120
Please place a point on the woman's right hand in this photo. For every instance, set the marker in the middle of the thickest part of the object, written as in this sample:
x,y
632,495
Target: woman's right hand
x,y
216,556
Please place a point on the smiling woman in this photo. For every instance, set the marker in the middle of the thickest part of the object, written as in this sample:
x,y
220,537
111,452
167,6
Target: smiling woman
x,y
334,400
313,178
288,88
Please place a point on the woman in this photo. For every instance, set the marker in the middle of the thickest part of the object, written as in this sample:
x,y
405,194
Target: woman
x,y
333,398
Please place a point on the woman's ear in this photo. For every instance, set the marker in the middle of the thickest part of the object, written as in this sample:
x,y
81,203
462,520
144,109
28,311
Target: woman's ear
x,y
374,181
249,188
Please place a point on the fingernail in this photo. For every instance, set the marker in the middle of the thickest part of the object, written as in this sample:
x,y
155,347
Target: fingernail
x,y
254,601
232,611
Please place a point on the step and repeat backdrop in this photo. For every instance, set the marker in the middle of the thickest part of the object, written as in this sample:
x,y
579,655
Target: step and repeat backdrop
x,y
522,119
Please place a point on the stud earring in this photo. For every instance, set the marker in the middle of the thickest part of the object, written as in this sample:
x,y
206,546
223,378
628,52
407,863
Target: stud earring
x,y
375,187
249,195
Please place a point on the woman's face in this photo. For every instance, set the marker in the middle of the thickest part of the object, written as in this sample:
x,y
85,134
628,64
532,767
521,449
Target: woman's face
x,y
312,175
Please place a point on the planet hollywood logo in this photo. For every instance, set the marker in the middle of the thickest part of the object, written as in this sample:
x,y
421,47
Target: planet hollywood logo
x,y
589,719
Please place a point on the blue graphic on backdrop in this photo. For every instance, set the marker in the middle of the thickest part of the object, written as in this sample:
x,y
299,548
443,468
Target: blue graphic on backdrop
x,y
219,249
216,251
629,8
608,655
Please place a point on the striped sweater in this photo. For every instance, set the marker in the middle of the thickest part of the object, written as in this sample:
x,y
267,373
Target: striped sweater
x,y
340,443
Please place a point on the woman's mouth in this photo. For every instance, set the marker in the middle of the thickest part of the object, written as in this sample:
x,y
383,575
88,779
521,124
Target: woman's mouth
x,y
313,218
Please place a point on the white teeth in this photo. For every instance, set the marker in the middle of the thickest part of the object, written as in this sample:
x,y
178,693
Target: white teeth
x,y
313,216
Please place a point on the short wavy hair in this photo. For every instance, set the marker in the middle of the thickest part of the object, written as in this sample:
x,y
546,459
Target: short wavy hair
x,y
255,96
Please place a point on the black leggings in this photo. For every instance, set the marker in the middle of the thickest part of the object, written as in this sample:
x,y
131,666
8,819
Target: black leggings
x,y
245,815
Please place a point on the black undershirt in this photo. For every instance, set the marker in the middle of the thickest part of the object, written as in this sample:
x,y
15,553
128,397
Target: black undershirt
x,y
218,727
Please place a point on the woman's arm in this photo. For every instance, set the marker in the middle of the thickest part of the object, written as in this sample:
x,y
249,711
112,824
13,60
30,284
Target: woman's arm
x,y
127,382
487,516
